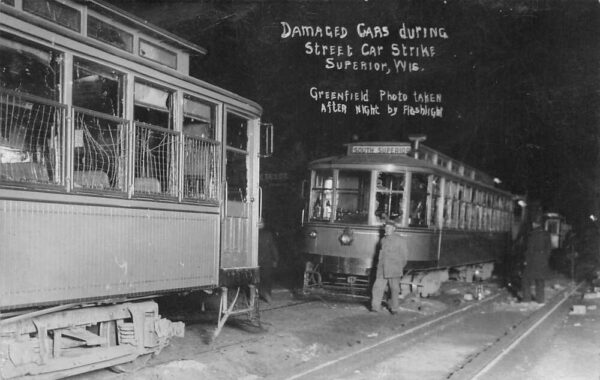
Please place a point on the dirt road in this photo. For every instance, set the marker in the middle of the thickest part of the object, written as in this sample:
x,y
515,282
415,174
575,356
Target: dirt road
x,y
342,339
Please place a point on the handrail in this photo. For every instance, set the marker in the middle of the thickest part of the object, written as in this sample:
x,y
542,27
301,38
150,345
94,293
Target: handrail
x,y
33,98
102,115
260,194
155,128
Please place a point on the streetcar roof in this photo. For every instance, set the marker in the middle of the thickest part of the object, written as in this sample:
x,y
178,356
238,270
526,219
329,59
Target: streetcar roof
x,y
392,156
144,28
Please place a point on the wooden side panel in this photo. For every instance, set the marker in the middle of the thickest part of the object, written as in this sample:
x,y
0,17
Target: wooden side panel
x,y
53,252
455,248
459,248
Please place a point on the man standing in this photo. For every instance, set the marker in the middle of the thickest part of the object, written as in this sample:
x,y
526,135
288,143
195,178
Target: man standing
x,y
537,257
268,256
390,268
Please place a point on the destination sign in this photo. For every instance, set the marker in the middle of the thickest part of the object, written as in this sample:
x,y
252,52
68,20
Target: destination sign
x,y
380,149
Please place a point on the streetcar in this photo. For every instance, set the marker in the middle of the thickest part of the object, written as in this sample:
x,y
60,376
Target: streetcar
x,y
455,219
122,178
562,238
556,224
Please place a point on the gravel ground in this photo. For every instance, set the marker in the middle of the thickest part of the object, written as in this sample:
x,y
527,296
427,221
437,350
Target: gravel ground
x,y
297,331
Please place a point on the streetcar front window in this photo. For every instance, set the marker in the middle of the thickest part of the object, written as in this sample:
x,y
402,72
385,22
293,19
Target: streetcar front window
x,y
389,198
352,197
322,196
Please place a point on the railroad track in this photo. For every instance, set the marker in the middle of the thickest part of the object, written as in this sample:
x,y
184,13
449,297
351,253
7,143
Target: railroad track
x,y
398,353
351,364
484,361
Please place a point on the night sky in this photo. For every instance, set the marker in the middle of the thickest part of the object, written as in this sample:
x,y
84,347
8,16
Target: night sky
x,y
518,80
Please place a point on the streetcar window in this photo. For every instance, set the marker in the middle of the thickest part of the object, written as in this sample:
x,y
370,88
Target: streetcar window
x,y
237,157
99,148
447,214
236,176
473,209
456,206
200,165
467,214
153,105
29,68
198,118
110,34
322,195
435,200
30,139
55,12
418,200
237,132
158,54
352,197
155,163
389,197
479,207
97,88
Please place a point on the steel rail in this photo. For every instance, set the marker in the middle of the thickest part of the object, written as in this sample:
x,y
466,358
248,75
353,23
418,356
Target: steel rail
x,y
518,339
418,327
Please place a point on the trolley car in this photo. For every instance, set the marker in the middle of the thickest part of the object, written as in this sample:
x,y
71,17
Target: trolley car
x,y
121,178
455,220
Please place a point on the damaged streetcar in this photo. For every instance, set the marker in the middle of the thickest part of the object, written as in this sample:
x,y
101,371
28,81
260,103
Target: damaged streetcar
x,y
122,178
455,220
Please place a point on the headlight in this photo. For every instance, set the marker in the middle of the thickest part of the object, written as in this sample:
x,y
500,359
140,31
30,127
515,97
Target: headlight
x,y
346,238
313,234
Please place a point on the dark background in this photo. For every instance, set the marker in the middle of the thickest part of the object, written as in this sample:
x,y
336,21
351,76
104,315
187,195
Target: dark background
x,y
520,84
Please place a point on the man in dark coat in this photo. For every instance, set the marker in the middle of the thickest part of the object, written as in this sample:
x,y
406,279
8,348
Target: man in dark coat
x,y
268,257
537,262
390,268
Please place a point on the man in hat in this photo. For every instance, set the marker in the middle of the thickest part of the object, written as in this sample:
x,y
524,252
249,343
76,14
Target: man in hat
x,y
537,257
390,268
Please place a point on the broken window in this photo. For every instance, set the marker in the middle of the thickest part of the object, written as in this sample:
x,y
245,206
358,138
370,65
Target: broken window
x,y
31,120
200,164
99,138
389,197
155,162
98,88
29,68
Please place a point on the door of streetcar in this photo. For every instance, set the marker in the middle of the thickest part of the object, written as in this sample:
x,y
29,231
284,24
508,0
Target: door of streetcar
x,y
240,164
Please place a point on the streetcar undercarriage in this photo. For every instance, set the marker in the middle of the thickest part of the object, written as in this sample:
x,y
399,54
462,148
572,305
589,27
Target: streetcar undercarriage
x,y
423,283
68,342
